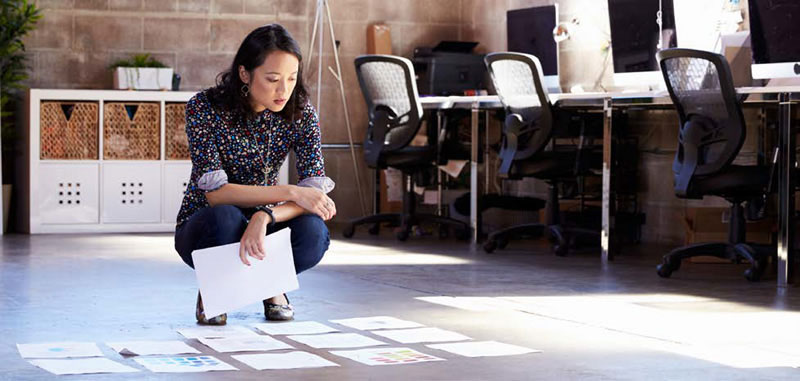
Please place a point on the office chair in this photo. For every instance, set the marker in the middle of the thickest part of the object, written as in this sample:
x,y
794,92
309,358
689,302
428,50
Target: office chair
x,y
530,126
395,116
712,132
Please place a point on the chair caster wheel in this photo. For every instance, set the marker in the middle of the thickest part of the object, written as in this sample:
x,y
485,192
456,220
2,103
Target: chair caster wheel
x,y
490,246
753,274
374,229
663,270
502,243
402,235
560,250
667,267
348,231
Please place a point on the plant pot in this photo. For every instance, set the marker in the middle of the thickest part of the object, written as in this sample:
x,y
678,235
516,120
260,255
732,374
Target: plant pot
x,y
6,205
142,78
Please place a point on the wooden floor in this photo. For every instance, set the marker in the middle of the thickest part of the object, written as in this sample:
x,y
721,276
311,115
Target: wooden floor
x,y
621,322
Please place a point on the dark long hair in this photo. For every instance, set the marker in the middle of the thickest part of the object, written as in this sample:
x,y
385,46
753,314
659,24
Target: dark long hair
x,y
255,48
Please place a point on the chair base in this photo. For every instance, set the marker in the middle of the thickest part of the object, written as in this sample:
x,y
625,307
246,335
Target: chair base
x,y
562,237
406,222
758,257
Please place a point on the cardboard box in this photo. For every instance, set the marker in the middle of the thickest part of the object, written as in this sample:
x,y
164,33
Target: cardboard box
x,y
379,39
711,225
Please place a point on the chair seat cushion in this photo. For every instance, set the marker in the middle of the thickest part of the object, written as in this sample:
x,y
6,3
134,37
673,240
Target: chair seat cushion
x,y
409,157
545,165
734,181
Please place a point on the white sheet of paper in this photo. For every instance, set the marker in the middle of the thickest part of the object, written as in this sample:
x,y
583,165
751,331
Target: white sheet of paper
x,y
145,348
483,349
82,366
294,328
336,340
291,360
453,167
183,364
59,350
377,322
421,335
386,356
245,344
217,332
227,284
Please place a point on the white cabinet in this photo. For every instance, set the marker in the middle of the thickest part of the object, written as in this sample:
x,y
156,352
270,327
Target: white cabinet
x,y
68,194
176,179
132,192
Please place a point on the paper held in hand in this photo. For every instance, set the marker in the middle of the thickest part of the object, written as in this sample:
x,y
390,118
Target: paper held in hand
x,y
227,284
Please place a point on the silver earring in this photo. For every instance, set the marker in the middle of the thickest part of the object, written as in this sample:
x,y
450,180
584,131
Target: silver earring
x,y
245,90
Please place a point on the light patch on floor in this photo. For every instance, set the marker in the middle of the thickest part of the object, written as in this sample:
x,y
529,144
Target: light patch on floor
x,y
738,336
343,253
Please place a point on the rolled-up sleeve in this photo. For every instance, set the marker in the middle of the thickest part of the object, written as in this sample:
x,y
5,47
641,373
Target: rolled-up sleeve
x,y
206,164
308,146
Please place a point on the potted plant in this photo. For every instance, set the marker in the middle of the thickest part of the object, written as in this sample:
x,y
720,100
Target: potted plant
x,y
141,72
17,18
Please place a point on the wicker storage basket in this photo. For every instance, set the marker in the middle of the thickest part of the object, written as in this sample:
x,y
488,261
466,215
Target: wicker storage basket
x,y
175,130
68,130
131,131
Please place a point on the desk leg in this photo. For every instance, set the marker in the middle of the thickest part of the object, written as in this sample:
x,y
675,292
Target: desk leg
x,y
473,173
438,170
605,233
486,167
786,191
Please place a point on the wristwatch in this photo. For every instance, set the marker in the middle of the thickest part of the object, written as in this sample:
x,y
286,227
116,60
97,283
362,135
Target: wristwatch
x,y
268,211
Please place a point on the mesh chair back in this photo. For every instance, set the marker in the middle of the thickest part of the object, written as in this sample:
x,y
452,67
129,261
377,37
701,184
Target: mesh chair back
x,y
517,78
701,87
390,91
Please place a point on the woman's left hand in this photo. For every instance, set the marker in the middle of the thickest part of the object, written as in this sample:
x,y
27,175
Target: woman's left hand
x,y
252,243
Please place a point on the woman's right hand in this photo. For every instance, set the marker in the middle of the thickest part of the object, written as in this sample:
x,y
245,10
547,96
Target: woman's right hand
x,y
314,201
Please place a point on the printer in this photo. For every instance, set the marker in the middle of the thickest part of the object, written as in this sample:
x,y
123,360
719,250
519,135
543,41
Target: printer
x,y
449,68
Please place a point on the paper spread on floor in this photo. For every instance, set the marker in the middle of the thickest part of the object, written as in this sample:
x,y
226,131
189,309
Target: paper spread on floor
x,y
294,328
245,344
82,366
183,364
145,348
421,335
377,322
386,356
227,284
59,350
482,349
291,360
216,332
336,340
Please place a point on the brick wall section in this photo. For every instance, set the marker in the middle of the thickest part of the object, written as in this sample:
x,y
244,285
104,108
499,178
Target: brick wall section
x,y
77,40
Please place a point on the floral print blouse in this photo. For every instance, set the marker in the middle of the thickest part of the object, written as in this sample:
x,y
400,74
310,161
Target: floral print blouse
x,y
227,149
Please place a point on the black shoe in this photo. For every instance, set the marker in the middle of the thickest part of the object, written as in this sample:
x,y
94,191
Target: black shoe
x,y
201,316
278,312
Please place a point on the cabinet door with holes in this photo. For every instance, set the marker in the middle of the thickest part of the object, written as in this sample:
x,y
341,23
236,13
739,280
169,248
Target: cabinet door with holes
x,y
131,192
67,193
176,178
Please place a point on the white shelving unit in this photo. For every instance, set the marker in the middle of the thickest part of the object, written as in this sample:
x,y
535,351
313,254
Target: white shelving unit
x,y
100,195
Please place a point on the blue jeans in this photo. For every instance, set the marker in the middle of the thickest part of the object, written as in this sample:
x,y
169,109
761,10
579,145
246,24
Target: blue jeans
x,y
224,224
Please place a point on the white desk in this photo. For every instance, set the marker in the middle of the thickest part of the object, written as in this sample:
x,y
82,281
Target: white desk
x,y
786,168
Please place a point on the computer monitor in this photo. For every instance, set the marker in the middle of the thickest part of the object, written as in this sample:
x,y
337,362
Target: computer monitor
x,y
635,37
775,38
530,31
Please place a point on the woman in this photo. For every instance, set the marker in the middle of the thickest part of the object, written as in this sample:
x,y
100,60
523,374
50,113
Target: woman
x,y
240,132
